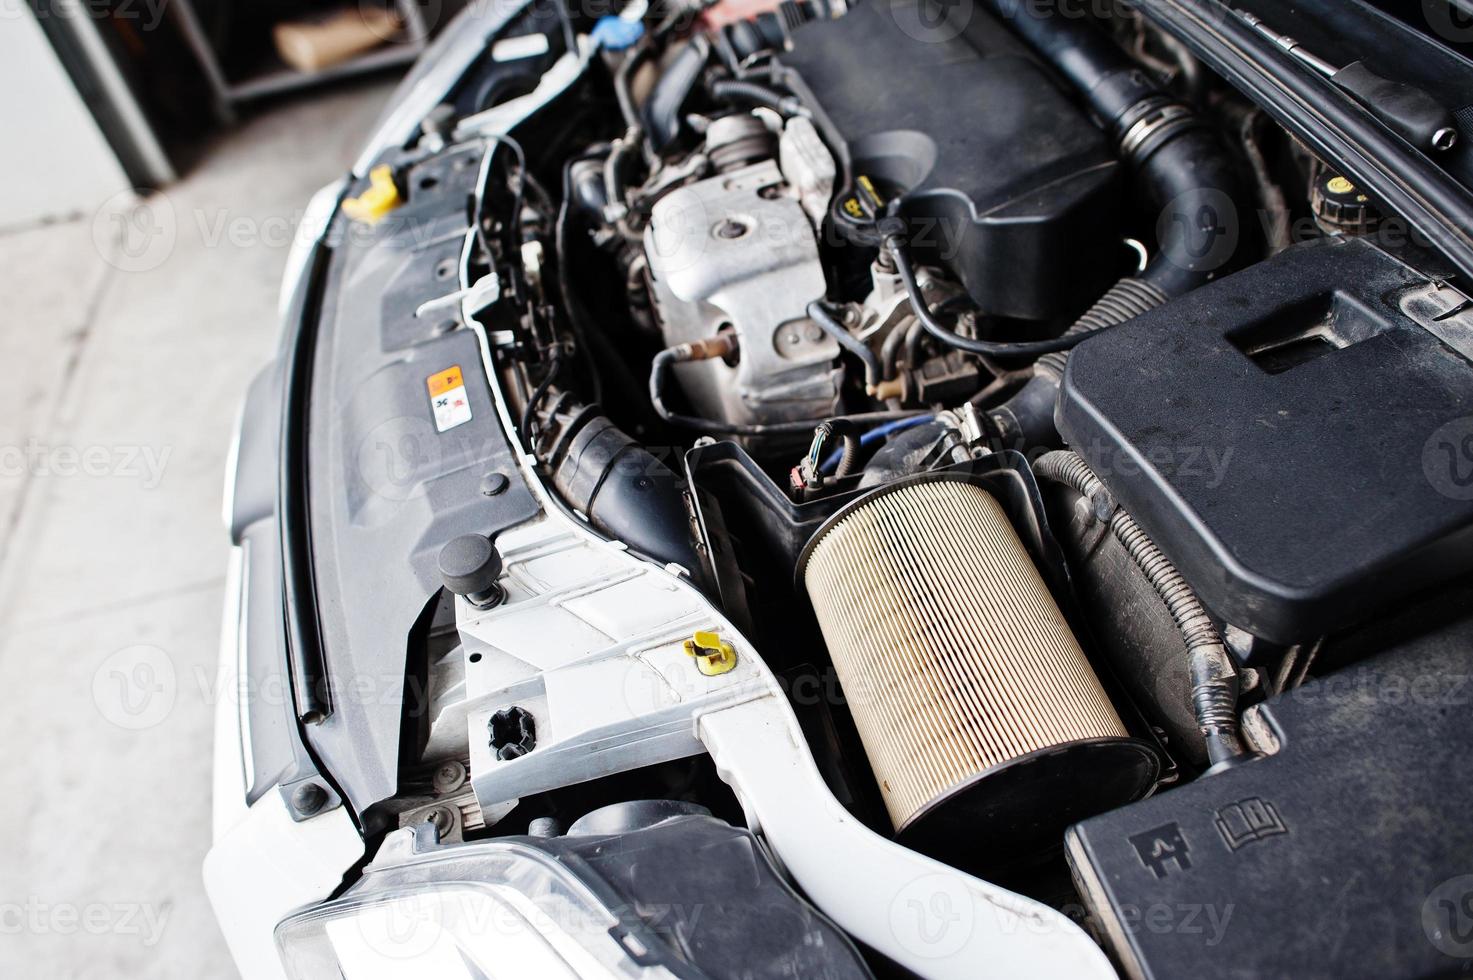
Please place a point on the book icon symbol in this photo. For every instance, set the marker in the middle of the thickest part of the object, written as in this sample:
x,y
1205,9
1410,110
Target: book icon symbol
x,y
1247,821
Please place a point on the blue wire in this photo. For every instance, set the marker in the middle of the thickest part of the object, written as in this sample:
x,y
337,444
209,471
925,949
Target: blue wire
x,y
873,436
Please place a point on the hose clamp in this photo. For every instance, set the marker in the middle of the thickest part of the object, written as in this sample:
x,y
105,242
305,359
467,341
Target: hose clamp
x,y
1150,130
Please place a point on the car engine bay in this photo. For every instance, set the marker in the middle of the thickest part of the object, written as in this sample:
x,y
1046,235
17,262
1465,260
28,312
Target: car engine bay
x,y
1052,432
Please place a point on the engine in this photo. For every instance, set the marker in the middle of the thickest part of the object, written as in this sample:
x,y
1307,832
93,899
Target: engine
x,y
1005,201
738,252
929,344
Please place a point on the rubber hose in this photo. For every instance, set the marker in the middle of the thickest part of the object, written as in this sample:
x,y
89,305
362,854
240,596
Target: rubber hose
x,y
850,458
986,348
624,83
1214,680
737,90
1026,421
824,317
666,102
1181,169
1126,300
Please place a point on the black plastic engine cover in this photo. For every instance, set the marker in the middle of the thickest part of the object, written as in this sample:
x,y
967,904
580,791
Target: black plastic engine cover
x,y
1347,854
1001,178
1299,446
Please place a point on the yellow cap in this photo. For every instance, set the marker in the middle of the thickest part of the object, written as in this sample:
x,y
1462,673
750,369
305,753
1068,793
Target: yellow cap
x,y
714,656
381,197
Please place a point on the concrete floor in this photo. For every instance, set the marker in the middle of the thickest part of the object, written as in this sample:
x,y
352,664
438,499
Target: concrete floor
x,y
122,362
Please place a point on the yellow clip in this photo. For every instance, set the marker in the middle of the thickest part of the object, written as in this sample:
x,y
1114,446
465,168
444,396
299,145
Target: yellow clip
x,y
381,197
714,656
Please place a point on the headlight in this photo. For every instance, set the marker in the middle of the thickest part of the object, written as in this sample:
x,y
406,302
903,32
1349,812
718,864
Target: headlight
x,y
493,910
635,891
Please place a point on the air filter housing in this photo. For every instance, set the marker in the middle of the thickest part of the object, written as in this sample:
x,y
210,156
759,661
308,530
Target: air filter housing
x,y
985,725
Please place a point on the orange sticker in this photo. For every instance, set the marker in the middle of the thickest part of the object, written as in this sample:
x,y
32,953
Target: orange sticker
x,y
449,402
445,380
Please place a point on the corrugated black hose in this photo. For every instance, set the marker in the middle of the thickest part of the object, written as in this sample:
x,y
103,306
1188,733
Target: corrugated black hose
x,y
1214,679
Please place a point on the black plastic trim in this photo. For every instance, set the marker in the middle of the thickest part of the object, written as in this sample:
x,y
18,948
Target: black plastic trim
x,y
299,593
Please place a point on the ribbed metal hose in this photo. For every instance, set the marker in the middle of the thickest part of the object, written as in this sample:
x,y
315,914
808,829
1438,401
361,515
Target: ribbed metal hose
x,y
1127,299
1214,681
1026,420
850,460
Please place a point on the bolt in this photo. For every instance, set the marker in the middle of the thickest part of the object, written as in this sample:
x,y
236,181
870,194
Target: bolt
x,y
493,484
308,798
730,229
449,777
441,819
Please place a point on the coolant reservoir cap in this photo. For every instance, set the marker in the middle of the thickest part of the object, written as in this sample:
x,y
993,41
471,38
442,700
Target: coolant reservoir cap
x,y
616,34
1342,206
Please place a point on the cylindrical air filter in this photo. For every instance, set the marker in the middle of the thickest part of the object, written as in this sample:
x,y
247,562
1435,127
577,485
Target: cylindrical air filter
x,y
985,725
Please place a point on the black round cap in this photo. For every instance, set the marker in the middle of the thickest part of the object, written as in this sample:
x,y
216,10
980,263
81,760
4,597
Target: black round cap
x,y
469,565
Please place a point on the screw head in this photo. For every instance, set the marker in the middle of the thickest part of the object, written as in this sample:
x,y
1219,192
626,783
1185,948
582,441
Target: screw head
x,y
308,798
449,777
442,819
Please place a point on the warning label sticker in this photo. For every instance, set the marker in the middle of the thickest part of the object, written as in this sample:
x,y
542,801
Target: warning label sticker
x,y
448,399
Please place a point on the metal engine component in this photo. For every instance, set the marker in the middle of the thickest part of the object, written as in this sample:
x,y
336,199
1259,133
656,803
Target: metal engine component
x,y
984,722
738,251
